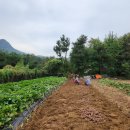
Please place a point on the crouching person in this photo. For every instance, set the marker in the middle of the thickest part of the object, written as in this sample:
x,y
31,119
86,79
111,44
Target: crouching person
x,y
77,81
88,81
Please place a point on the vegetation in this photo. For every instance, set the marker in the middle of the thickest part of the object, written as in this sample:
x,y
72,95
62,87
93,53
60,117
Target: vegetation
x,y
61,49
122,86
53,66
111,56
17,96
13,58
16,67
77,56
17,73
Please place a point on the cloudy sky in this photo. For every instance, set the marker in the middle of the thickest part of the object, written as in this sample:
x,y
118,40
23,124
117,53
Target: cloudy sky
x,y
34,26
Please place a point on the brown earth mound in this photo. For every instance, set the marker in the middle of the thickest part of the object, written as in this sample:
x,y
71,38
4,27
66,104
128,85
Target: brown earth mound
x,y
77,107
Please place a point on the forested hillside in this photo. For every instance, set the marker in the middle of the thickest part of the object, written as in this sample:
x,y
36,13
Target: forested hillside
x,y
6,46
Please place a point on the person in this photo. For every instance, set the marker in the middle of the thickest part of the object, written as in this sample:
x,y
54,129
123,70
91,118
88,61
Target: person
x,y
77,81
88,81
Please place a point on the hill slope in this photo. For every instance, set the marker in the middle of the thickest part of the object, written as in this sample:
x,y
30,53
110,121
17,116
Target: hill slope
x,y
6,46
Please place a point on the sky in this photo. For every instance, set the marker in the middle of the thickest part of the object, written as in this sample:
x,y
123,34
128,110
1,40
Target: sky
x,y
34,26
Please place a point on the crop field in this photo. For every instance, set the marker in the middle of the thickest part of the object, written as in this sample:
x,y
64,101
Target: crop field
x,y
118,84
17,96
79,107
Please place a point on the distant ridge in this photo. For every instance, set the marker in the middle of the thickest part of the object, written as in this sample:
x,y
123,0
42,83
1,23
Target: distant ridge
x,y
6,46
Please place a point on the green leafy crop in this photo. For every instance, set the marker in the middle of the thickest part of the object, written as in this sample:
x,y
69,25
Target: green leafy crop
x,y
17,96
122,86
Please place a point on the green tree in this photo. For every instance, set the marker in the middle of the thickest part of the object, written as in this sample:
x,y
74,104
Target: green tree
x,y
62,47
97,55
13,58
77,56
3,57
58,49
113,48
33,61
124,56
53,66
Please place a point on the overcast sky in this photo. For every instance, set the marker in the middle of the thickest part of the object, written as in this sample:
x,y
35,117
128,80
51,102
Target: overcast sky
x,y
34,26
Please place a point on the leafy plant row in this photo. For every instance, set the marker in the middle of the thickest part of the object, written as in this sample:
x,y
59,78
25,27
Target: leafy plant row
x,y
11,74
122,86
17,96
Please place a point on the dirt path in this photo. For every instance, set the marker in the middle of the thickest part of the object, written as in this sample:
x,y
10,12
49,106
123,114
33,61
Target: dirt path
x,y
76,107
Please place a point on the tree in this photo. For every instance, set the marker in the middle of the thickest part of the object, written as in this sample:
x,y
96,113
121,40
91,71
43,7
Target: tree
x,y
124,55
8,58
13,58
58,49
3,57
97,55
113,48
62,47
53,66
33,61
77,56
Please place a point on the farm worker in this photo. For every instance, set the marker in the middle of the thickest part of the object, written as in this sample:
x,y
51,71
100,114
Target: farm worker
x,y
88,81
77,81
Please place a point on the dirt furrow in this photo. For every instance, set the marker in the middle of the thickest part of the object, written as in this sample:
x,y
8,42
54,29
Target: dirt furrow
x,y
77,107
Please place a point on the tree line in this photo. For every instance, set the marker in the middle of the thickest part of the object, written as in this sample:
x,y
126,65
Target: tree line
x,y
110,56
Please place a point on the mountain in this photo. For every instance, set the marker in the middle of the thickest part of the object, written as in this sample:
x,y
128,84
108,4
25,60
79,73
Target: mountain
x,y
6,46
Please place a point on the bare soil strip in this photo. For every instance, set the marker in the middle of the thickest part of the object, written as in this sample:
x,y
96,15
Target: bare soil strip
x,y
77,107
115,96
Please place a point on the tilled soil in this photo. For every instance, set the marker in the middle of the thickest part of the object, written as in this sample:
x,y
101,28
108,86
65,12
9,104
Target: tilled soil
x,y
114,95
78,107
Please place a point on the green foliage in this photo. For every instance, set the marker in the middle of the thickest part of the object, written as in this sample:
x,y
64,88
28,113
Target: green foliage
x,y
124,55
28,59
53,66
77,56
110,56
17,96
61,49
16,67
62,46
33,61
126,68
8,59
97,55
20,64
20,72
113,49
122,86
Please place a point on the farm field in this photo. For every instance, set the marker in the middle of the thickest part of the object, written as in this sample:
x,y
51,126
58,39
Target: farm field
x,y
18,96
77,107
120,84
64,65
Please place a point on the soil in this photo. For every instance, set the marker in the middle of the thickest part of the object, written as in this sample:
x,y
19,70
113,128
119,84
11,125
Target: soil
x,y
115,96
78,107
